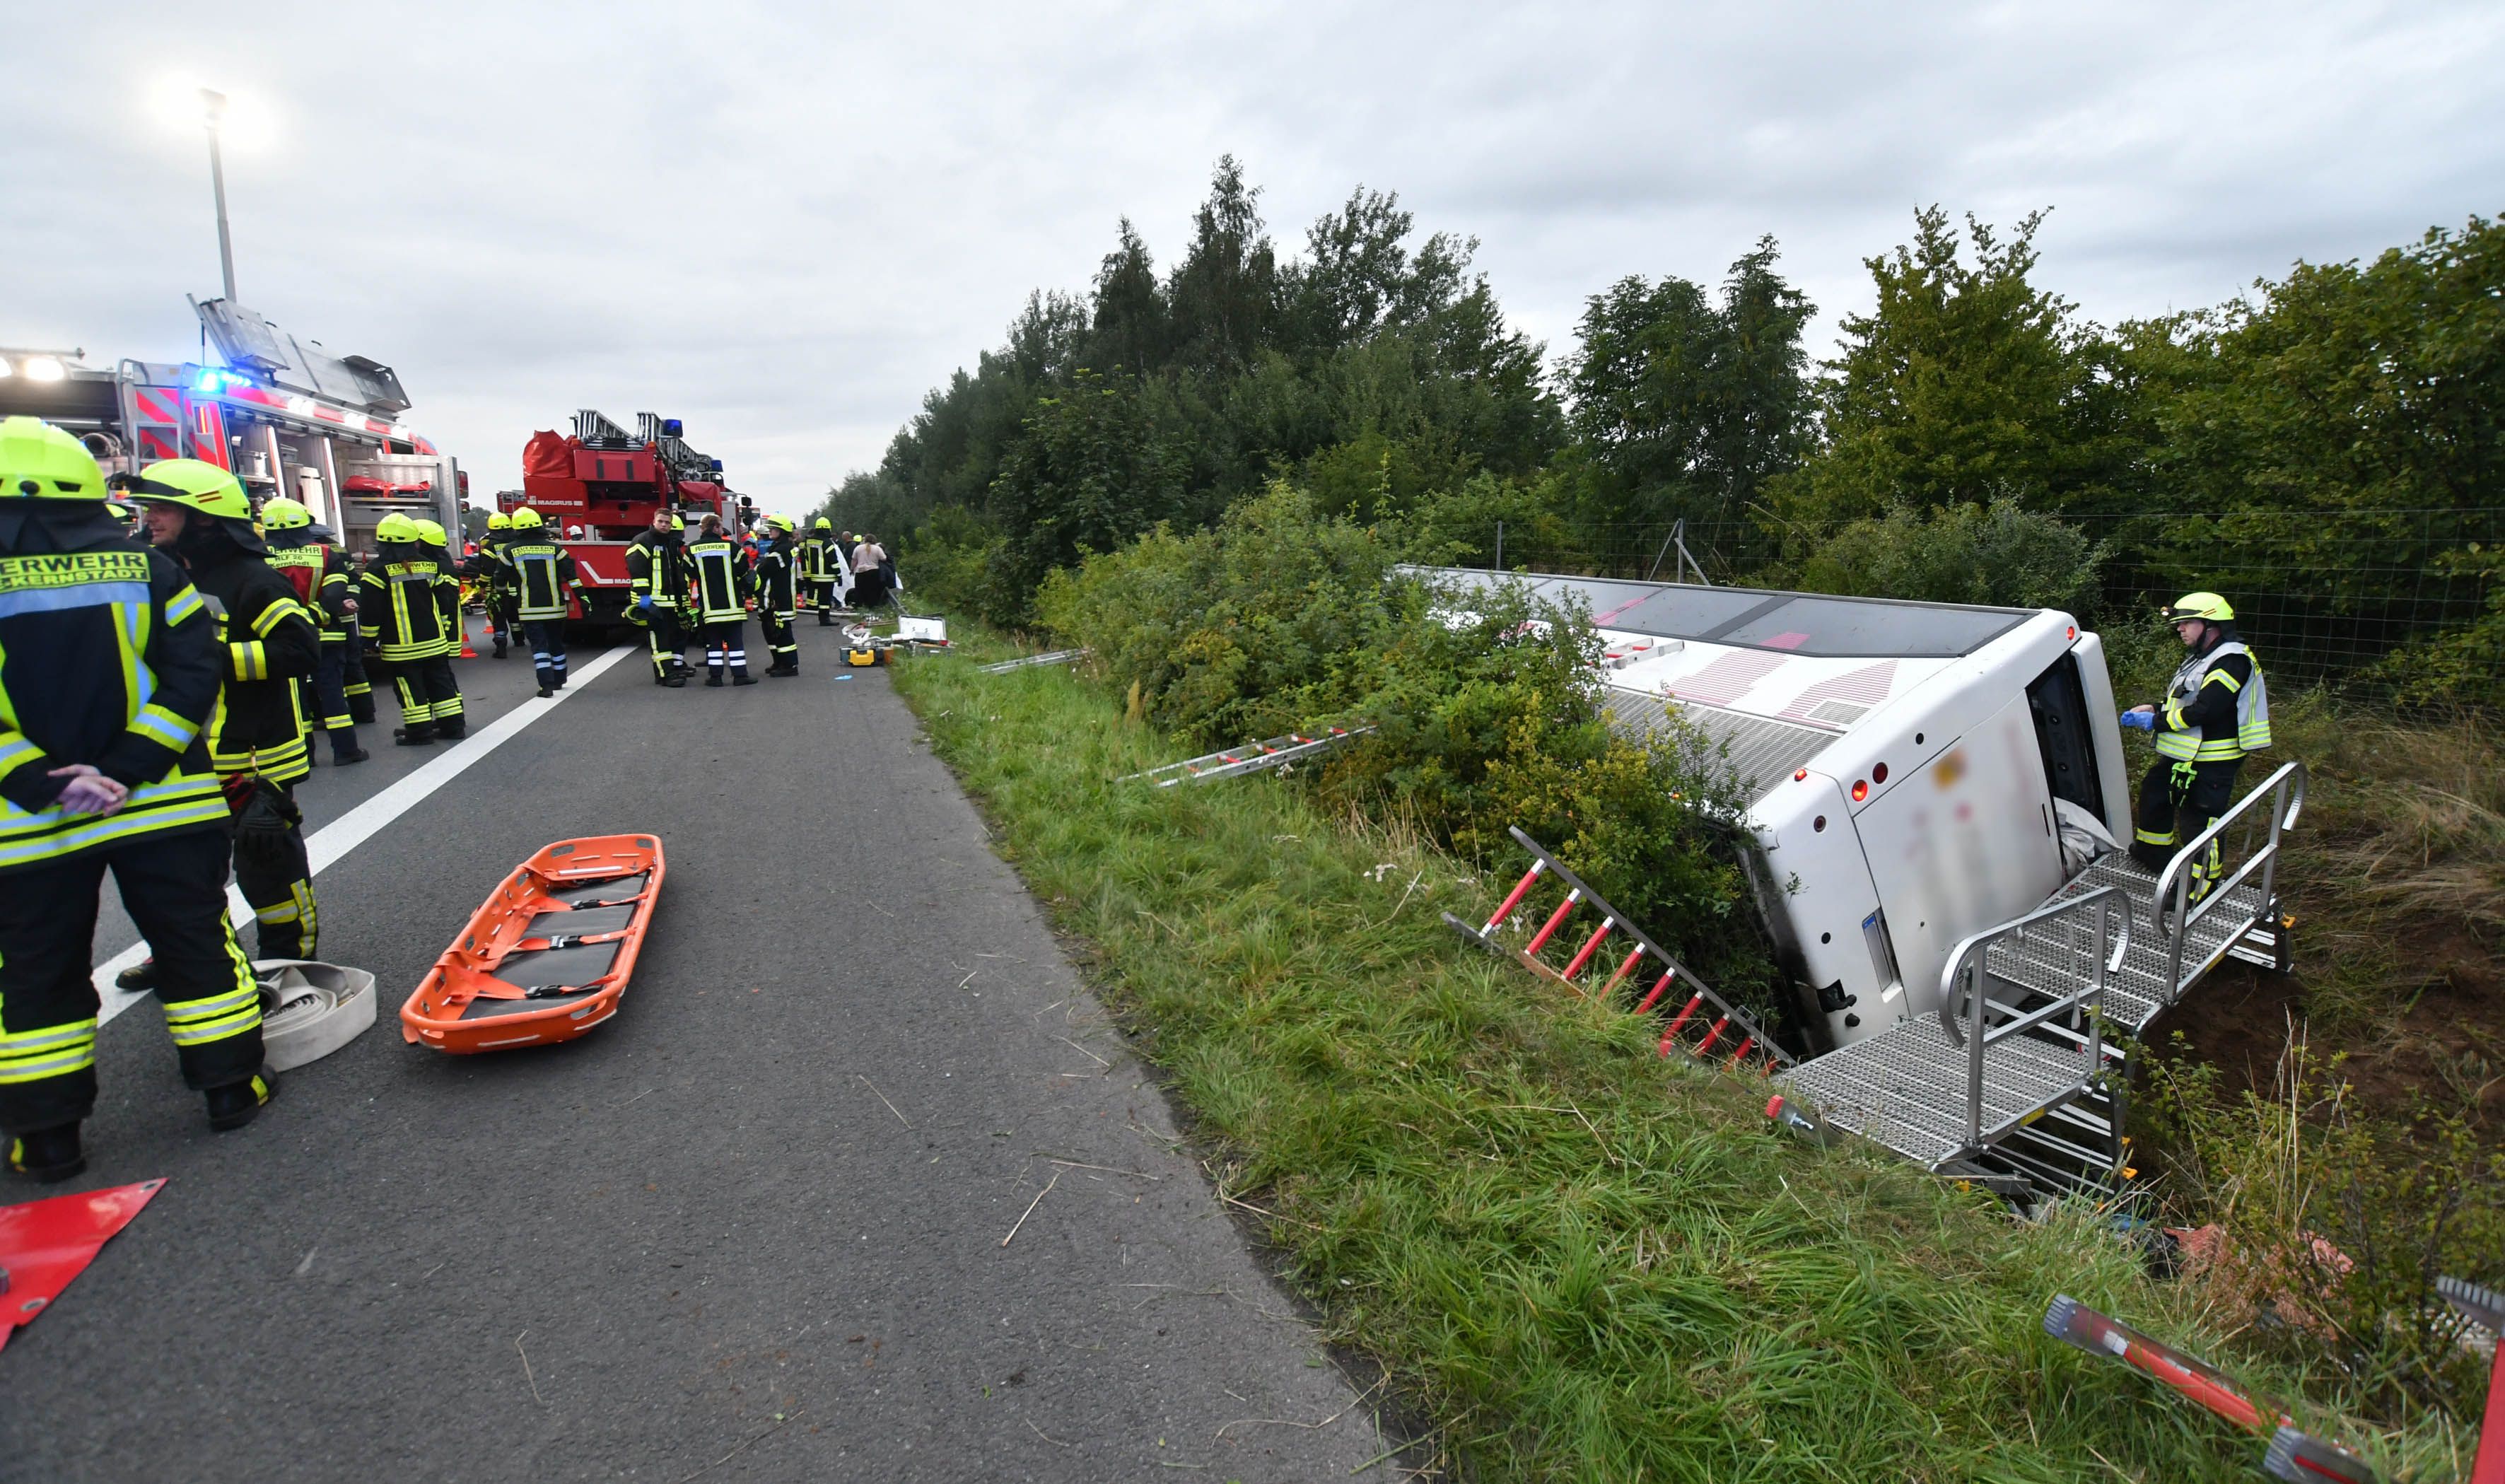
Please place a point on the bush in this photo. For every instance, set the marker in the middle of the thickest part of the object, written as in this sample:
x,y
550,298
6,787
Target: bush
x,y
1285,619
957,562
1959,553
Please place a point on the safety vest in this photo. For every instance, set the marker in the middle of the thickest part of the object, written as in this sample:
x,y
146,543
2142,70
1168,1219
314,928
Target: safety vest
x,y
716,568
2252,709
539,574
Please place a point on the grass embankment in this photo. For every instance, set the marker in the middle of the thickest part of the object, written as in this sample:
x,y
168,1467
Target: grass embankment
x,y
1572,1259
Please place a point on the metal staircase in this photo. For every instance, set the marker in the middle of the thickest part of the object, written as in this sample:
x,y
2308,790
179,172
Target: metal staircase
x,y
2007,1085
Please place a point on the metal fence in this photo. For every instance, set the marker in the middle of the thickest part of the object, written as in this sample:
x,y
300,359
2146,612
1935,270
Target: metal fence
x,y
2325,596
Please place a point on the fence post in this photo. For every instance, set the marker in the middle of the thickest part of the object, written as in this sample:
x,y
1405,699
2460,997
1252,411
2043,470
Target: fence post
x,y
1499,545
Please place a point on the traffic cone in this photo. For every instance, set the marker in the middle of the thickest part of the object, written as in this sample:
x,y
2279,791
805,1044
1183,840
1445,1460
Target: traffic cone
x,y
467,653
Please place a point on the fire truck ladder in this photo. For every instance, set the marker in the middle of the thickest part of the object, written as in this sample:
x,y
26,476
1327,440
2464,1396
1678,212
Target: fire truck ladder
x,y
1250,758
598,431
2008,1084
1703,1023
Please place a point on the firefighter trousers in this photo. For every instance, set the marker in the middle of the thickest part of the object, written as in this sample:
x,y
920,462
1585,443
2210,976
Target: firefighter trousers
x,y
2177,800
325,700
429,699
668,640
547,638
823,595
174,886
726,643
278,884
353,680
780,640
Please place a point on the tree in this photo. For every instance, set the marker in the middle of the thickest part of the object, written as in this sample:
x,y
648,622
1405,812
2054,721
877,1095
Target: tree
x,y
1132,330
1224,292
1357,275
1964,382
1685,407
1090,471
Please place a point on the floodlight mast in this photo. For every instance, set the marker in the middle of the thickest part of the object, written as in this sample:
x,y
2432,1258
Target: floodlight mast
x,y
213,105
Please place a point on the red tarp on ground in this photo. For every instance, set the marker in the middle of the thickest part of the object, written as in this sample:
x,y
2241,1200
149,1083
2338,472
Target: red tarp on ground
x,y
45,1244
548,453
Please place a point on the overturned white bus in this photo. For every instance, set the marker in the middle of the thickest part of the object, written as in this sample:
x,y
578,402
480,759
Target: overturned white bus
x,y
1933,793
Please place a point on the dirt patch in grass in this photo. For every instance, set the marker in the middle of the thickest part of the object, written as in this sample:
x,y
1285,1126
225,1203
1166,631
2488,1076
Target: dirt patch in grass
x,y
2446,1043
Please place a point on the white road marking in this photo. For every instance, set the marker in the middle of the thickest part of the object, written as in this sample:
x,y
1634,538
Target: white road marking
x,y
328,845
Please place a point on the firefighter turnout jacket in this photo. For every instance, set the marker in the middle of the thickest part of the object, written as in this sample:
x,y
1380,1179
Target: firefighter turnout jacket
x,y
540,572
719,574
108,656
774,578
272,644
396,600
657,568
817,560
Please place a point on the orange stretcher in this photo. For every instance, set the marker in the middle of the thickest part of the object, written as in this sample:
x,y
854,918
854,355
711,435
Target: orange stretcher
x,y
549,956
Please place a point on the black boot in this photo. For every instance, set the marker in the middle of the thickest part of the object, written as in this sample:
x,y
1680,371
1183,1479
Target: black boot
x,y
713,676
47,1154
237,1104
344,748
411,737
741,677
139,977
500,649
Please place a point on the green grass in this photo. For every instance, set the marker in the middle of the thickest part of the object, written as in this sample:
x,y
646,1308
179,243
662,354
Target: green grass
x,y
1572,1259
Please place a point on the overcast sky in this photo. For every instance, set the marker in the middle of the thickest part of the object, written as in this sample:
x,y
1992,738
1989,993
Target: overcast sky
x,y
783,224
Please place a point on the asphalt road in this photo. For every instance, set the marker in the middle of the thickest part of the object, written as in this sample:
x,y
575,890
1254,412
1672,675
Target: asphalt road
x,y
752,1229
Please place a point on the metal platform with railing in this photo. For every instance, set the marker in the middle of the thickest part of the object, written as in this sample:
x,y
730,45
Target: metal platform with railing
x,y
2011,1082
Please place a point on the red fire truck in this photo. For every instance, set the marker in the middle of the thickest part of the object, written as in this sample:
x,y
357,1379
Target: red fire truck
x,y
599,487
287,416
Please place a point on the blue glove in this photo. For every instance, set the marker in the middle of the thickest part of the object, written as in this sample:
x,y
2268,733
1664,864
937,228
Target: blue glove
x,y
644,601
2145,721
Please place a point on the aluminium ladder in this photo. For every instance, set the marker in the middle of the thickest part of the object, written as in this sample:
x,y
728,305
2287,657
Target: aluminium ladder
x,y
2010,1083
1703,1022
1250,758
1027,662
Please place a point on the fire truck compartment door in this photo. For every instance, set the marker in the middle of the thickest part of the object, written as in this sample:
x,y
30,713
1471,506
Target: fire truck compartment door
x,y
1966,843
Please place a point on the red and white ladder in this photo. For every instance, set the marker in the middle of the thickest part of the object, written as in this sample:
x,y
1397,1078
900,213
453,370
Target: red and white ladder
x,y
1704,1025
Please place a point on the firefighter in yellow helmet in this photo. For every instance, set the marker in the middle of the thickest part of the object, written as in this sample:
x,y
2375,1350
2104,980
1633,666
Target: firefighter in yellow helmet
x,y
776,579
542,574
719,578
110,666
320,576
819,566
197,514
486,570
2216,709
397,595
